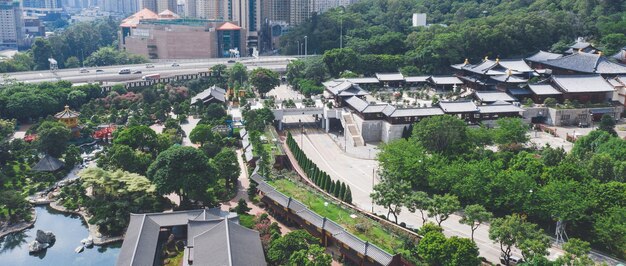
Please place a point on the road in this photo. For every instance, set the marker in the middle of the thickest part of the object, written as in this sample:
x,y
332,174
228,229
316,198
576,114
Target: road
x,y
110,73
358,173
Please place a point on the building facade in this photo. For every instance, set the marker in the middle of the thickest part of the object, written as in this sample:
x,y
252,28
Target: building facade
x,y
11,24
183,39
120,6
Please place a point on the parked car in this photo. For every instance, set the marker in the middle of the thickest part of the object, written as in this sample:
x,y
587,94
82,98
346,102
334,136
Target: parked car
x,y
84,70
513,260
175,65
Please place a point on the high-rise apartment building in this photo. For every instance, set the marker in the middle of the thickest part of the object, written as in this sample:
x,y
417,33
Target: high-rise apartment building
x,y
120,6
158,6
279,10
190,8
212,9
163,5
11,24
300,11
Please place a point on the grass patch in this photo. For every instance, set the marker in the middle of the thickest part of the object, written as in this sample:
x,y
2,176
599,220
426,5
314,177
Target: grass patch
x,y
247,220
176,260
360,226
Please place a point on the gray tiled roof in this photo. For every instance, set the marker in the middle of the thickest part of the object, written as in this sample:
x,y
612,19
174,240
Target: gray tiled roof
x,y
515,65
389,110
587,63
416,112
519,91
458,107
544,89
389,77
506,78
210,93
141,238
543,56
499,108
228,243
493,96
337,87
48,164
582,83
243,132
445,80
363,80
357,103
417,79
352,91
375,108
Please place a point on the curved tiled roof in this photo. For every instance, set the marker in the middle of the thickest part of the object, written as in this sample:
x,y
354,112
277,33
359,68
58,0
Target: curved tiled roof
x,y
543,56
587,63
229,26
134,19
67,113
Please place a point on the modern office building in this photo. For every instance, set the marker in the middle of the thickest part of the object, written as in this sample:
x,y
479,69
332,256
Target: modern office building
x,y
157,6
11,24
167,36
120,6
211,9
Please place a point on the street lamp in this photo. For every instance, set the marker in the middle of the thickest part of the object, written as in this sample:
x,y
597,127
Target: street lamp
x,y
306,46
373,174
298,48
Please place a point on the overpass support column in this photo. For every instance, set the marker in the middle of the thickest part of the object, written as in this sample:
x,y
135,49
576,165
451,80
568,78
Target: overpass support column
x,y
327,124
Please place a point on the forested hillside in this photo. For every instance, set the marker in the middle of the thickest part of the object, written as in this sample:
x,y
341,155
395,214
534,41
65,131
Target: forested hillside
x,y
462,29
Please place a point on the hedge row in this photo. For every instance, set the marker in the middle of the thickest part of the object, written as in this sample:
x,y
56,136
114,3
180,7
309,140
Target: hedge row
x,y
338,189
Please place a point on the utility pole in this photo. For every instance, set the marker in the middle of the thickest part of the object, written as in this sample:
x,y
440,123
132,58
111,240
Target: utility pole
x,y
306,46
373,173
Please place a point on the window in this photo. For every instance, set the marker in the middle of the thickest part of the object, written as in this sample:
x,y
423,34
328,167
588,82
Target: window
x,y
564,117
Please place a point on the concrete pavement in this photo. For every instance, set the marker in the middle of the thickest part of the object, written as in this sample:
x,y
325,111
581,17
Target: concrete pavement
x,y
358,173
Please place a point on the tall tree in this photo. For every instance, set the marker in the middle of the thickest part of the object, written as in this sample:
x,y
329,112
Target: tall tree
x,y
52,138
314,255
15,204
442,206
137,137
607,123
418,201
510,132
237,74
474,216
391,193
281,250
227,167
514,230
264,80
444,134
203,134
185,171
41,52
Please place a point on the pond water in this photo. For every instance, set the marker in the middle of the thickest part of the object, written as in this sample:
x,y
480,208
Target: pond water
x,y
69,230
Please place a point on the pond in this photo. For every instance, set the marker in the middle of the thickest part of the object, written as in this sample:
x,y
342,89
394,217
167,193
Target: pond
x,y
69,230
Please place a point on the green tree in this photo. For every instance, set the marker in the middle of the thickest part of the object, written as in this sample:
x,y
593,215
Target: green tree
x,y
264,80
137,137
72,156
15,203
432,248
607,123
441,207
444,134
295,71
219,70
462,251
391,193
281,250
123,157
72,62
202,134
313,256
242,207
474,216
613,42
339,60
510,131
52,138
237,74
514,230
41,50
549,102
418,201
576,253
227,167
610,230
185,171
7,127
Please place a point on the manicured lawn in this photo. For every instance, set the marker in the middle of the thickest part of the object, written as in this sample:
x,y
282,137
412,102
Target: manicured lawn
x,y
369,229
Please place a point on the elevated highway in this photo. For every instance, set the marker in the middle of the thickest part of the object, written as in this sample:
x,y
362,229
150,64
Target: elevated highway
x,y
165,69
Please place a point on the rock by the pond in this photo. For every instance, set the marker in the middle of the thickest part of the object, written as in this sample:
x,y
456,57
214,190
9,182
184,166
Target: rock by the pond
x,y
45,237
37,246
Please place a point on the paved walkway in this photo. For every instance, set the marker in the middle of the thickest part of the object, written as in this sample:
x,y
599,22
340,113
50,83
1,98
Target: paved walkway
x,y
358,173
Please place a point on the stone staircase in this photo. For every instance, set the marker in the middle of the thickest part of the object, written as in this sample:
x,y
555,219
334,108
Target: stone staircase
x,y
353,130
